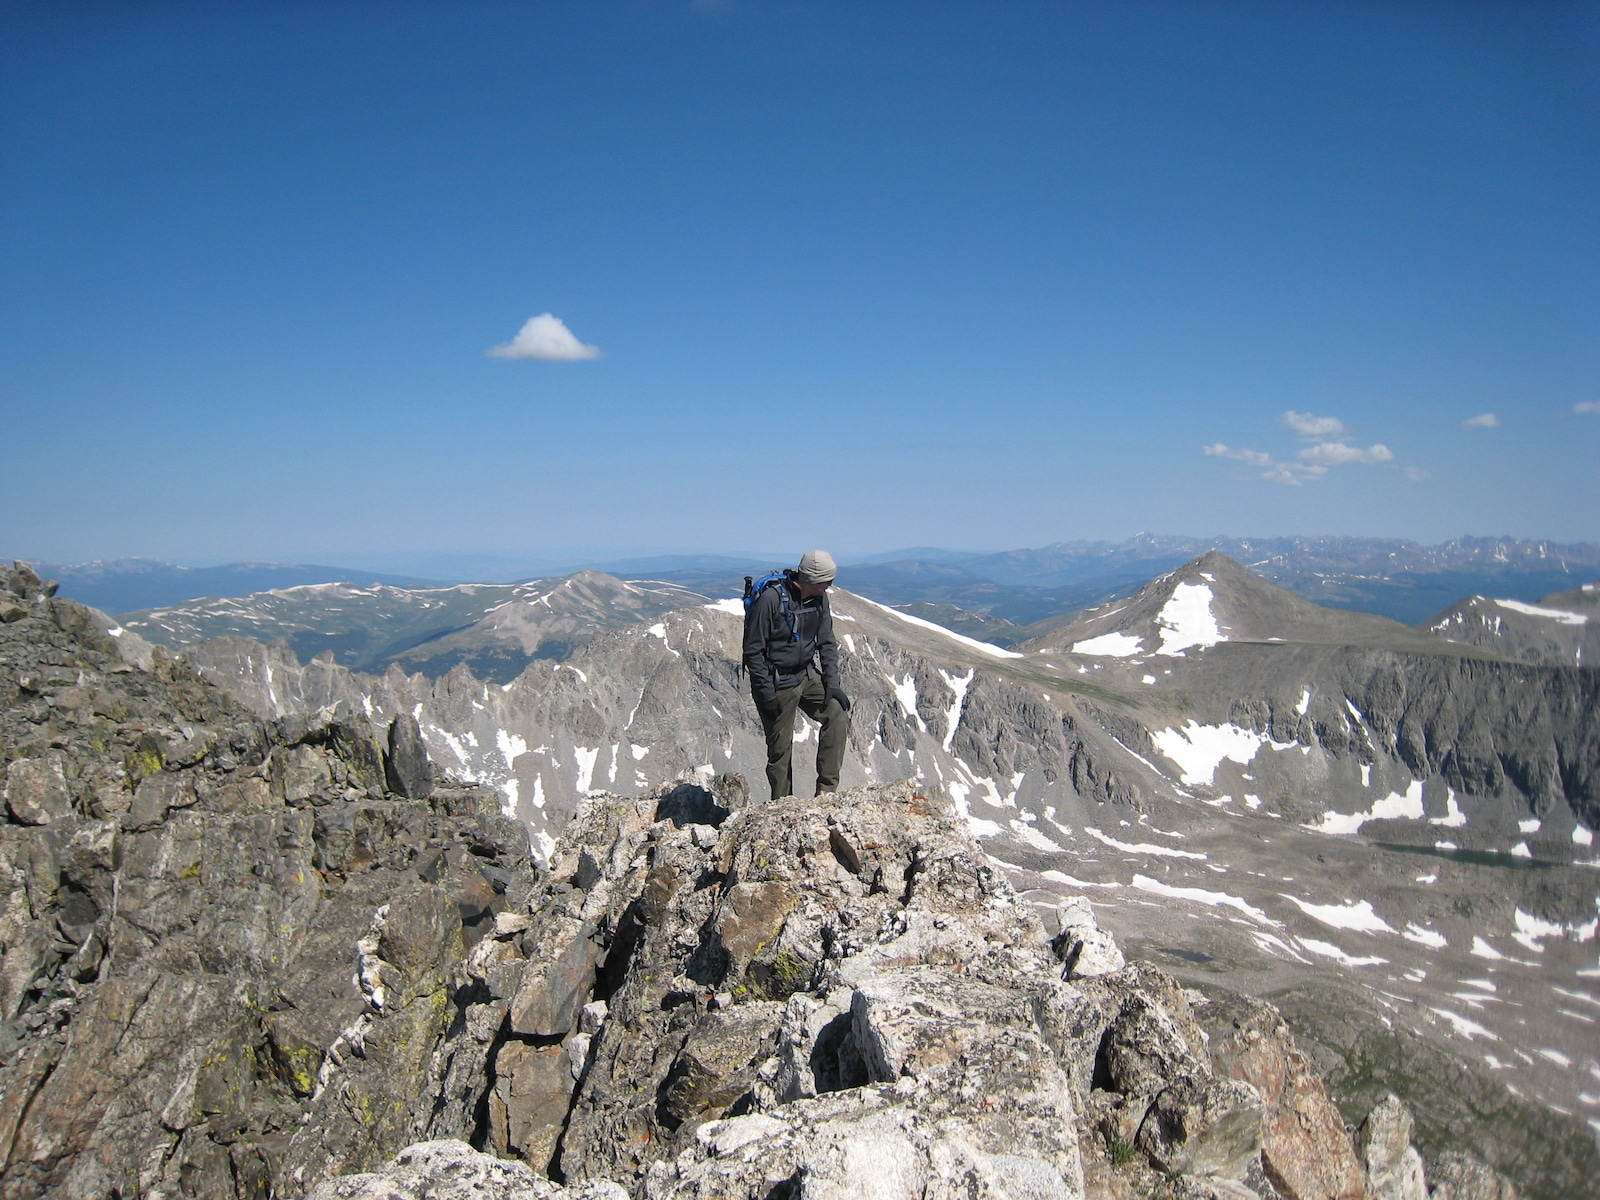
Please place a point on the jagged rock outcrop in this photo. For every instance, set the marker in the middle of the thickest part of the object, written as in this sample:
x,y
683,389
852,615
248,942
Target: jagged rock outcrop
x,y
711,998
449,1169
230,961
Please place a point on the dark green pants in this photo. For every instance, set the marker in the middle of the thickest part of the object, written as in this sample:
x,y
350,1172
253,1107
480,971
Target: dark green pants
x,y
810,698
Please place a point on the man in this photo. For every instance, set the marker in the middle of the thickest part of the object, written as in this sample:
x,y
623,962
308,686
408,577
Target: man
x,y
793,663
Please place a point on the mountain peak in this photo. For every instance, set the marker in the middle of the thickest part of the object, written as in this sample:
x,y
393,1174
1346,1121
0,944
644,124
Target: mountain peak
x,y
1213,599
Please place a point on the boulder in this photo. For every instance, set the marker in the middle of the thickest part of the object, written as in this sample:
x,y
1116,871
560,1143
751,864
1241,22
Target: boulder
x,y
1383,1143
36,791
1086,951
1143,1049
550,998
406,766
1460,1176
1305,1149
1203,1126
453,1170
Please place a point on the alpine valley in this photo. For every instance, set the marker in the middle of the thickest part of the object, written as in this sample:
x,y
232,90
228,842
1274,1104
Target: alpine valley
x,y
1382,832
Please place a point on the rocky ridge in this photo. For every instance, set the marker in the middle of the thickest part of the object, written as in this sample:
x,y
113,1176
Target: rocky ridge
x,y
842,998
231,951
1562,629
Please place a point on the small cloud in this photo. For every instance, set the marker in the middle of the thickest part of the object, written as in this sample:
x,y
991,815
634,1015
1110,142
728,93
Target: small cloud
x,y
1290,473
1482,421
1417,474
1309,425
1336,454
1254,457
545,338
1587,406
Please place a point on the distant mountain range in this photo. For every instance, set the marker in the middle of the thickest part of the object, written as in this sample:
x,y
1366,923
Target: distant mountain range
x,y
1005,597
494,629
123,585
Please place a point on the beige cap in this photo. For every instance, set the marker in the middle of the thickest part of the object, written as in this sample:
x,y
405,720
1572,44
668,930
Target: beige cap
x,y
817,566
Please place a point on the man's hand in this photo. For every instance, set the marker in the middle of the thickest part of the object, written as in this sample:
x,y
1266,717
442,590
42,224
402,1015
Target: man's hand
x,y
770,709
836,694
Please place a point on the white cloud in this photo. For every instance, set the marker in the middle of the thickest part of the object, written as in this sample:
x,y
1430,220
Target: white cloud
x,y
1336,454
1308,425
1332,449
545,338
1417,474
1290,473
1254,457
1587,406
1482,421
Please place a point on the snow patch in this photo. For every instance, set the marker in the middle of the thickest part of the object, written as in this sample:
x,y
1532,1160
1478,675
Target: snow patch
x,y
959,685
1154,886
1392,807
1199,749
1305,702
1349,915
980,828
1187,620
512,747
1530,929
1110,645
1061,877
1551,614
1142,847
1453,817
1424,936
734,608
586,759
1329,950
1467,1029
905,691
1482,949
970,643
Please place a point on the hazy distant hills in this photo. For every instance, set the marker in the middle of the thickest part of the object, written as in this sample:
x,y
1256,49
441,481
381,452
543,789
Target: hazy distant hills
x,y
128,584
494,629
1006,598
1402,580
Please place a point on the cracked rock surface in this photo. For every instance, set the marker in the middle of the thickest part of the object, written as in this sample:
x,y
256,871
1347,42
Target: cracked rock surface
x,y
231,961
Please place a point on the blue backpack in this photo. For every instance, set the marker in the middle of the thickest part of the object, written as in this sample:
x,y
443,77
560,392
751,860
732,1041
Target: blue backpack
x,y
754,588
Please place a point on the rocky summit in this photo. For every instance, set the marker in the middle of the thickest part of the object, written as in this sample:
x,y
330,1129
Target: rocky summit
x,y
247,957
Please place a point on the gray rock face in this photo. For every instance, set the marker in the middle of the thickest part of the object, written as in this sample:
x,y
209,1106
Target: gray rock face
x,y
36,791
832,998
230,963
1393,1167
1460,1176
452,1170
406,766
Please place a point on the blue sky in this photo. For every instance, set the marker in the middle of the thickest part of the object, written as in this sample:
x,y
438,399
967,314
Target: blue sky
x,y
864,276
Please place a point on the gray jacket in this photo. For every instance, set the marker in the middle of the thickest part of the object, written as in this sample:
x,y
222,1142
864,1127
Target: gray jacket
x,y
775,658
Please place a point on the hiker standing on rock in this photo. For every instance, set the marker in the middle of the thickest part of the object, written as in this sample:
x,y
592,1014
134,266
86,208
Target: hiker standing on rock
x,y
793,662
